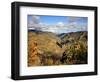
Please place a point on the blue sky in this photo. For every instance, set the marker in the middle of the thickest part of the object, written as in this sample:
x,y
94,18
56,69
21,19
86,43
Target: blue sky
x,y
62,24
52,20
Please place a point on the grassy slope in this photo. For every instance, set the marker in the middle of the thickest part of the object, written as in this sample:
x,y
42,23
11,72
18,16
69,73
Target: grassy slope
x,y
44,47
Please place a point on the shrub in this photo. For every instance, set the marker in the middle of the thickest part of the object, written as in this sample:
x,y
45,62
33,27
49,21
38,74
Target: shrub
x,y
76,53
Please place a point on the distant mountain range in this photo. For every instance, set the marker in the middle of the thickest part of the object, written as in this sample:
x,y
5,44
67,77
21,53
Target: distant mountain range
x,y
74,34
60,28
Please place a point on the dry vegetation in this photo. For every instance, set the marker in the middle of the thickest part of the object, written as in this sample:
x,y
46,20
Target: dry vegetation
x,y
46,48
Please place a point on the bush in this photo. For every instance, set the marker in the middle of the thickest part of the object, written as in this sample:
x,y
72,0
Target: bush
x,y
76,53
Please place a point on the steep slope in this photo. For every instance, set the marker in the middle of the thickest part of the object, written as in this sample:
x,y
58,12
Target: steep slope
x,y
74,36
47,48
46,43
76,51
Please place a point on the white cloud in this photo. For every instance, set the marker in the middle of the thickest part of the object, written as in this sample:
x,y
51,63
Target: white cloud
x,y
73,19
34,22
60,27
60,23
35,19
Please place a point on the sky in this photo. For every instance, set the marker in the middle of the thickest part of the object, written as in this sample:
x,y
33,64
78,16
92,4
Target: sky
x,y
62,23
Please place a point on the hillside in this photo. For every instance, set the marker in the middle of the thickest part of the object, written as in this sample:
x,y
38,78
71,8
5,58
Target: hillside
x,y
74,36
47,48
